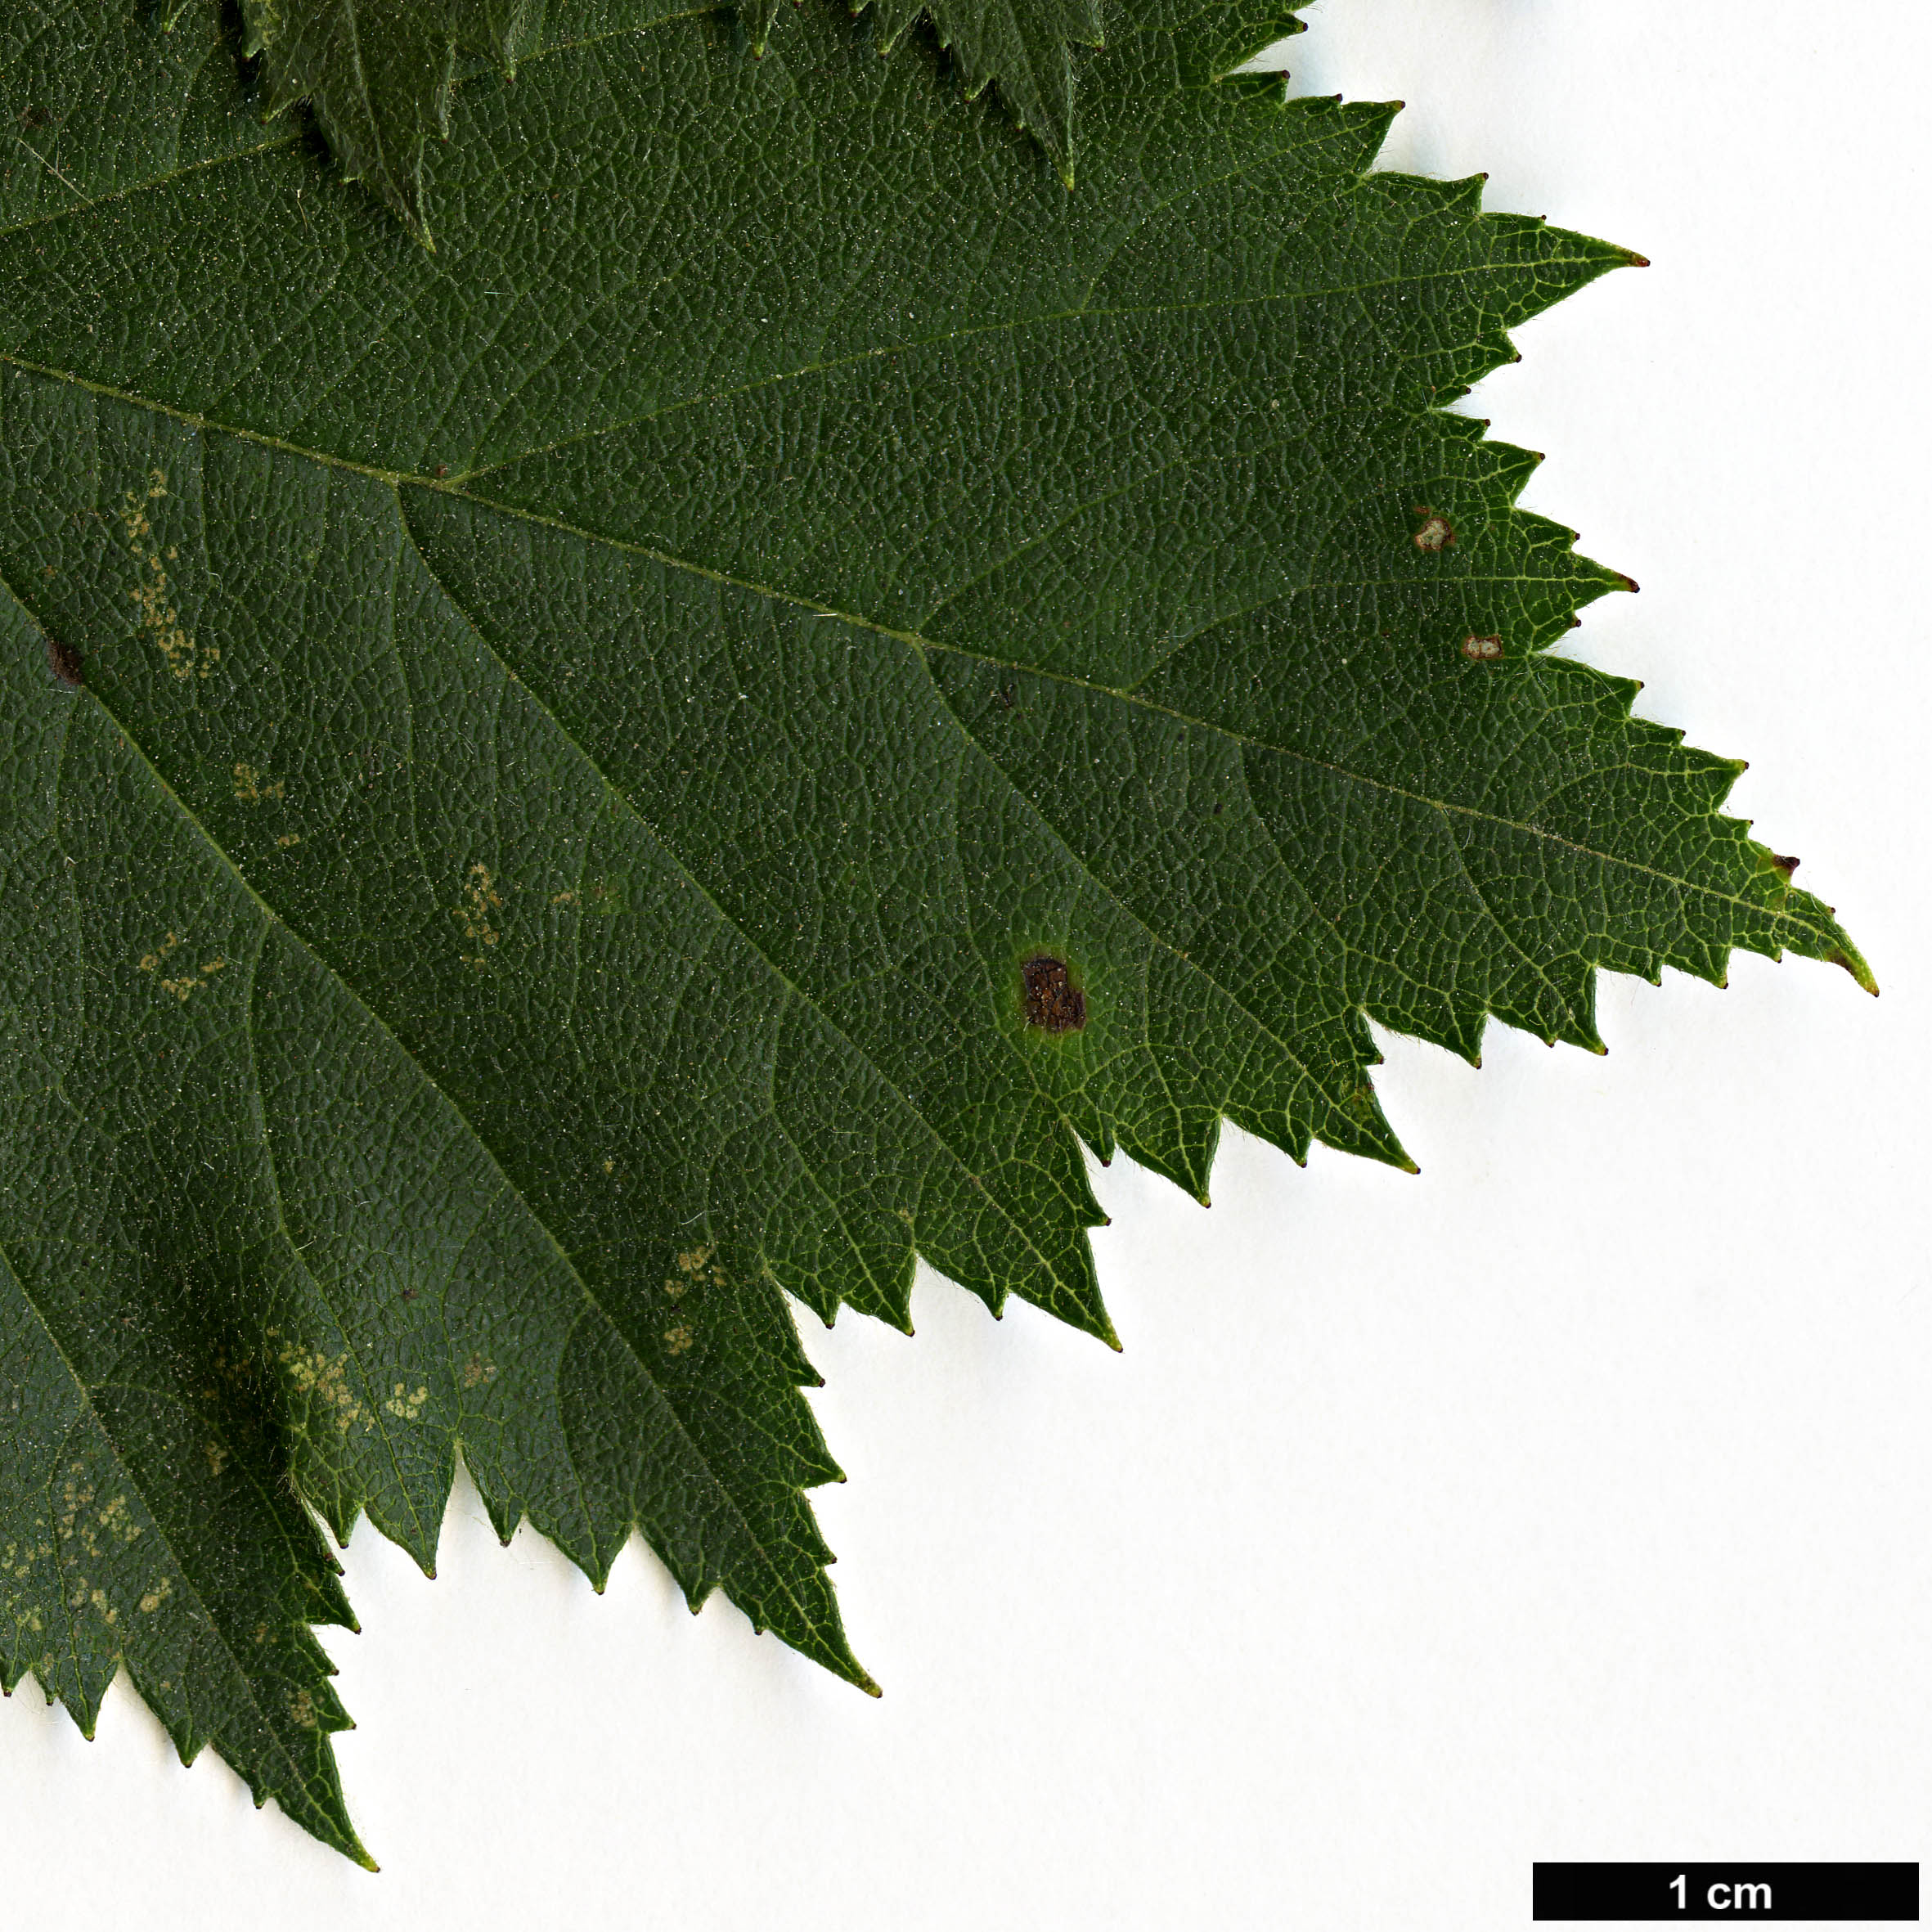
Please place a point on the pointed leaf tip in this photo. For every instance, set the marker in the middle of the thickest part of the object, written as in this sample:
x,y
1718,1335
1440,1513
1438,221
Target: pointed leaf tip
x,y
520,586
1854,964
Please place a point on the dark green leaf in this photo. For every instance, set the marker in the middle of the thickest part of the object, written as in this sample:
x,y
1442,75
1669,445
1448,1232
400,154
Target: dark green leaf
x,y
688,747
378,73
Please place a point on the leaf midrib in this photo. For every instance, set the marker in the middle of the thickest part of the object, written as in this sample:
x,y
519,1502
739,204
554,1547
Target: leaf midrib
x,y
911,345
397,480
1080,312
861,622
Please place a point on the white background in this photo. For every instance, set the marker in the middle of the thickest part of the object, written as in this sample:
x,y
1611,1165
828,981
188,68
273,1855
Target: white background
x,y
1569,1501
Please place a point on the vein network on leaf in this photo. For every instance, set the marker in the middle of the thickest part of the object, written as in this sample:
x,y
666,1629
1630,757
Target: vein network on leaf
x,y
689,749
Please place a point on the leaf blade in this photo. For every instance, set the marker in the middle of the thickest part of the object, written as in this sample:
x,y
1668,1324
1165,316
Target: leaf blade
x,y
655,687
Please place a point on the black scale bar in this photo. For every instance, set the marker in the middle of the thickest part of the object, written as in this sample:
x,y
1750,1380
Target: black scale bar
x,y
1740,1892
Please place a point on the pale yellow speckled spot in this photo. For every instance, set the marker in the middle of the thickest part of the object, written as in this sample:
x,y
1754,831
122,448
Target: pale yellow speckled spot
x,y
182,983
408,1407
326,1378
151,961
159,618
252,786
480,899
114,1518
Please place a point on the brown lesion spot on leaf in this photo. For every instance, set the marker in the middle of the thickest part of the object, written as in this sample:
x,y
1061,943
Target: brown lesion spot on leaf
x,y
1482,650
63,661
679,1338
1437,532
1053,1003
